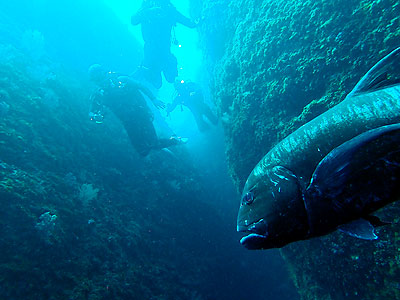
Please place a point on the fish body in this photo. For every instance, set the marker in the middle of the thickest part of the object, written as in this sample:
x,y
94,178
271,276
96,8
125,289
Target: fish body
x,y
313,181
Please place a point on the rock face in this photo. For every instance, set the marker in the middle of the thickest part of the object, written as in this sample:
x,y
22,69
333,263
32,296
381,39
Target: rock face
x,y
277,64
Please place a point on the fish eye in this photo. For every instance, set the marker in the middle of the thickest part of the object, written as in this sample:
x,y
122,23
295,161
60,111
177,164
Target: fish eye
x,y
248,198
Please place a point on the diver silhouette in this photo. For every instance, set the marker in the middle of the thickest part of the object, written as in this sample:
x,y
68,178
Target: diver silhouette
x,y
191,95
158,18
124,97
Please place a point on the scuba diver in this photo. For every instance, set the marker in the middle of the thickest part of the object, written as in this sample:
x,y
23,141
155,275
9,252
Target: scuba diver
x,y
124,97
158,17
191,95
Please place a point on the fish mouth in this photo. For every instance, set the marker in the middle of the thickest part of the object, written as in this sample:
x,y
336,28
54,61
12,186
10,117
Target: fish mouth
x,y
254,241
257,237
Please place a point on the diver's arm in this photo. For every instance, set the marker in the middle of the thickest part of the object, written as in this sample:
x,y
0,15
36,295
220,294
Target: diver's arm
x,y
184,20
194,91
96,110
144,90
137,18
96,100
174,104
129,82
198,92
145,14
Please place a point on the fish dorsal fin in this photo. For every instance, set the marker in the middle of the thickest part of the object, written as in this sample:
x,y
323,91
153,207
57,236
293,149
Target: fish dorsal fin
x,y
383,74
360,228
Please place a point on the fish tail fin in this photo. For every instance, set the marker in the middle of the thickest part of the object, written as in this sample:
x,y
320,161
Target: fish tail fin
x,y
383,74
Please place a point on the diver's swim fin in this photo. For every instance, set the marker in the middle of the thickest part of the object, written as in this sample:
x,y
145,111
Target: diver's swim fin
x,y
178,140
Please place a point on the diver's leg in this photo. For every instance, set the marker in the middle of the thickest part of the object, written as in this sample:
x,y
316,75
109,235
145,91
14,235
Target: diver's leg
x,y
147,140
154,77
210,115
172,141
139,127
142,140
152,65
201,124
140,73
170,68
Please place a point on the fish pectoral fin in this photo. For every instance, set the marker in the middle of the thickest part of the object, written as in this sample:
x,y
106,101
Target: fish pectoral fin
x,y
385,73
344,162
376,222
360,228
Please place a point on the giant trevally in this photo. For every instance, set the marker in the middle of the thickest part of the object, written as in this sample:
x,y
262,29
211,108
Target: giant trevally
x,y
331,173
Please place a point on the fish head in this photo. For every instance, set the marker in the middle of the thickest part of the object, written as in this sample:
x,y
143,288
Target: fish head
x,y
272,210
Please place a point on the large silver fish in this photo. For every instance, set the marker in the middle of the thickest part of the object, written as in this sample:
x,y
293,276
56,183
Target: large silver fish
x,y
333,172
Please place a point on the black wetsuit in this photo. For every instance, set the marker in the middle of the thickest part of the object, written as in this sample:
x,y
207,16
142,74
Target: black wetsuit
x,y
157,23
190,95
123,96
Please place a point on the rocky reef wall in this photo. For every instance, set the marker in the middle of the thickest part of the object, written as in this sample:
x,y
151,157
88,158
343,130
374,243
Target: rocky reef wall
x,y
277,64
